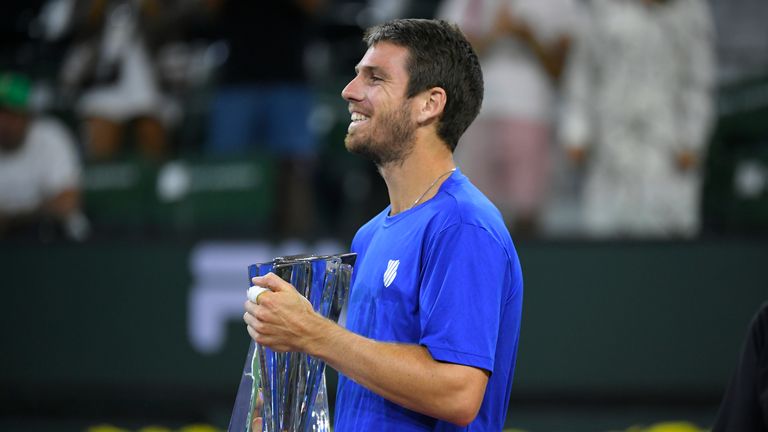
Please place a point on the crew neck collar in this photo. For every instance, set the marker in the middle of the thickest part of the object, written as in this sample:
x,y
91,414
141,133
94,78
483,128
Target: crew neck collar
x,y
452,178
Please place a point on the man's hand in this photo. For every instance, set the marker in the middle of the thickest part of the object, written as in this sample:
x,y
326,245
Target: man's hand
x,y
577,155
282,319
686,160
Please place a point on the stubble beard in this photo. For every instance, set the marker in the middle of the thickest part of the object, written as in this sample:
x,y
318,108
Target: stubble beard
x,y
388,143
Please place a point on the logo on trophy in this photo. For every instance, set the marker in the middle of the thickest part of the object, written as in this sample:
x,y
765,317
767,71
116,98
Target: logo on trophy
x,y
287,391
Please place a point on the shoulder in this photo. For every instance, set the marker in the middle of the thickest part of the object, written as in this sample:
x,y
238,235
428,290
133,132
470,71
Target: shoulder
x,y
469,233
462,203
463,210
50,133
49,125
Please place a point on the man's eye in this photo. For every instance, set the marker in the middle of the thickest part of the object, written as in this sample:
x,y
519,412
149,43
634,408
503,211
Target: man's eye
x,y
375,78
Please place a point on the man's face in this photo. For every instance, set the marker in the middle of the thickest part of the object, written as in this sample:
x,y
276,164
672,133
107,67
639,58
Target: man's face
x,y
382,125
13,128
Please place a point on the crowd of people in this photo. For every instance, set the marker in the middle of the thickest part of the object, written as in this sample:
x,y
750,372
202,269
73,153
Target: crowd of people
x,y
621,90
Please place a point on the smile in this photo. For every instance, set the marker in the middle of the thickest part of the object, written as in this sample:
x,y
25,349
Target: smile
x,y
356,119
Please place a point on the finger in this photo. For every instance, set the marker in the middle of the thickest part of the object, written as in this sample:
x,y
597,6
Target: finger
x,y
256,315
250,307
256,424
254,335
267,341
253,321
272,282
254,292
249,319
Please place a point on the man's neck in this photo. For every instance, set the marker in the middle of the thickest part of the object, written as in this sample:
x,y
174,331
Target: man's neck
x,y
417,179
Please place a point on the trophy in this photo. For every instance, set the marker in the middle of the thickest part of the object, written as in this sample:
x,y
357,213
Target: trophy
x,y
287,390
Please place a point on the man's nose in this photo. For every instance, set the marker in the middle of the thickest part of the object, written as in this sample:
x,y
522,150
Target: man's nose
x,y
352,91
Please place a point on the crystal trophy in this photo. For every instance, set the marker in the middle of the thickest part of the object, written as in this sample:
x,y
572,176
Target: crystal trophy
x,y
287,390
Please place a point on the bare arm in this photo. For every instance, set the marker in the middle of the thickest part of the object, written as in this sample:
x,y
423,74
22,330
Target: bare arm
x,y
58,206
63,204
697,83
582,75
404,374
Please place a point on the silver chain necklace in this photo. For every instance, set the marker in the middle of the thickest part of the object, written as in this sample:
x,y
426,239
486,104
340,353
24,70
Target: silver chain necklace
x,y
430,187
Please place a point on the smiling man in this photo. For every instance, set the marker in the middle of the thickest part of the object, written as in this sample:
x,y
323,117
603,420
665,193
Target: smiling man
x,y
434,314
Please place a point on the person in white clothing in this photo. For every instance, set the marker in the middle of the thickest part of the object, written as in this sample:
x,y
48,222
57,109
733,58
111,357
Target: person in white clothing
x,y
637,111
112,68
522,46
39,167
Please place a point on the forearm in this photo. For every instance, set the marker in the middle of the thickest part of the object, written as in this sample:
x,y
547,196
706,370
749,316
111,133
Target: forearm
x,y
403,374
62,204
576,123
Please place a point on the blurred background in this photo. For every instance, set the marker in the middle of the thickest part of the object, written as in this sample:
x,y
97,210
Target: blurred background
x,y
151,150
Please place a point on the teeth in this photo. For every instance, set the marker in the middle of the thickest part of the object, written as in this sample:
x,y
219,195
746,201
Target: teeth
x,y
358,117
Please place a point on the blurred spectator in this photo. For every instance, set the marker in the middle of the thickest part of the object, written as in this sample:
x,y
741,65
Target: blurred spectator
x,y
263,98
745,404
522,46
638,108
112,67
39,168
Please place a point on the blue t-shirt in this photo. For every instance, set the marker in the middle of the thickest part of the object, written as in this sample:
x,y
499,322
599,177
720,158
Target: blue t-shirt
x,y
446,276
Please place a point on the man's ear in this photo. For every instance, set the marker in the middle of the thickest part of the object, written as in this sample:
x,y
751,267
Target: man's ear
x,y
431,105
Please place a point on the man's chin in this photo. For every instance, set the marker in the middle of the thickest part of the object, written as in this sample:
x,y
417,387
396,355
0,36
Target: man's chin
x,y
353,145
361,149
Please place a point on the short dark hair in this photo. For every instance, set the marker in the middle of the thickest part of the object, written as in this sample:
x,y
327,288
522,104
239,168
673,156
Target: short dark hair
x,y
439,56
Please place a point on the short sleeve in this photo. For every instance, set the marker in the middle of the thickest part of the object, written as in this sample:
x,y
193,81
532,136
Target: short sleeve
x,y
464,284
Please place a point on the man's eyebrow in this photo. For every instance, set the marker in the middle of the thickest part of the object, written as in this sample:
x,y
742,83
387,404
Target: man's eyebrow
x,y
375,70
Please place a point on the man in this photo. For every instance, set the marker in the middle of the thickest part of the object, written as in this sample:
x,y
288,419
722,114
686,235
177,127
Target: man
x,y
39,168
434,313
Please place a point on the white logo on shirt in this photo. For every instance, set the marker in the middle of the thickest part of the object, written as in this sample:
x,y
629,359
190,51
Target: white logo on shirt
x,y
391,272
